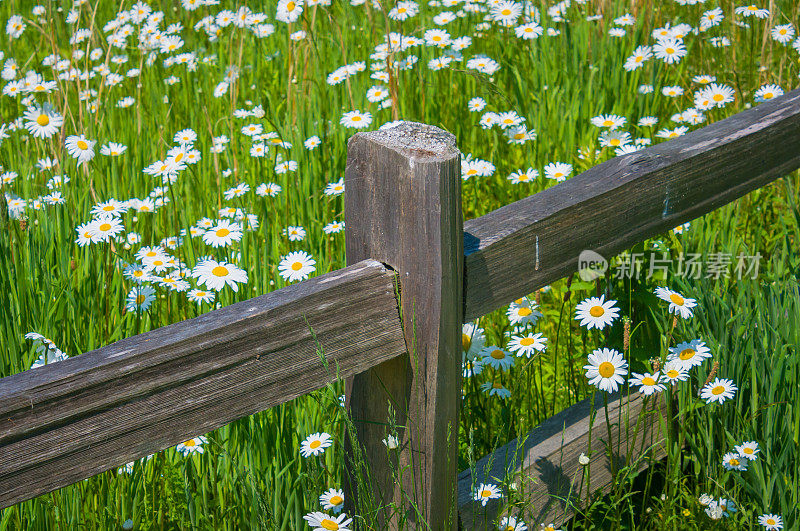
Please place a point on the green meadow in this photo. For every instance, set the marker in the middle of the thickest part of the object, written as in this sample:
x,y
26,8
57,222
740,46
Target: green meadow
x,y
160,160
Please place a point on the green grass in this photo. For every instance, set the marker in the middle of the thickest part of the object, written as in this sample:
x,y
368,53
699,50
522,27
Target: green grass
x,y
251,474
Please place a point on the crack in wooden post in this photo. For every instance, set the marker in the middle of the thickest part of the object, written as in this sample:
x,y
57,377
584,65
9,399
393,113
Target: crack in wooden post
x,y
403,208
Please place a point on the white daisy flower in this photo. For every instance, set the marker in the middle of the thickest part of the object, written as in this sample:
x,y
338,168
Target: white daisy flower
x,y
677,303
748,450
720,390
594,312
648,383
733,461
216,275
497,358
332,499
194,445
689,354
472,340
324,522
486,492
223,234
606,369
674,372
356,119
527,345
315,444
80,148
522,311
297,265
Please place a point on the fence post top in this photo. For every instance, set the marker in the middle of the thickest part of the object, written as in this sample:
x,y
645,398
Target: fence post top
x,y
412,140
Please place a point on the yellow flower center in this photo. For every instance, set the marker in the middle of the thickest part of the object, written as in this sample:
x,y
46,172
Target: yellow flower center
x,y
43,120
105,227
498,354
717,97
506,12
673,373
608,123
140,299
748,450
526,342
558,174
336,500
677,299
596,311
290,6
466,342
734,462
82,145
771,521
138,273
297,266
686,354
648,381
606,369
614,141
356,118
179,157
108,208
524,311
436,38
221,233
718,390
768,95
315,444
497,385
220,271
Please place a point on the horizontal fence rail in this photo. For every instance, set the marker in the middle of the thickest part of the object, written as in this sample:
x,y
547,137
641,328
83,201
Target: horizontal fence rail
x,y
516,249
73,419
545,468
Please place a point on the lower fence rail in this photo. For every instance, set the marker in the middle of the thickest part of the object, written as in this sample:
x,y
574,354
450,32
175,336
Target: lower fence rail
x,y
551,483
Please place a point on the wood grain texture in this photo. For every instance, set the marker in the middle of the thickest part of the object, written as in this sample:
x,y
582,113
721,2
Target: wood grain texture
x,y
624,201
73,419
545,465
403,207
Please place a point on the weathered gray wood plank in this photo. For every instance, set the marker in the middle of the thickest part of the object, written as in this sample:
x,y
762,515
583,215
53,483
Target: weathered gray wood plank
x,y
403,207
624,201
70,420
545,464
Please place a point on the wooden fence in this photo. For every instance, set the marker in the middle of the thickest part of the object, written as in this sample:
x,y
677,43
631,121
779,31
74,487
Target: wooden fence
x,y
404,233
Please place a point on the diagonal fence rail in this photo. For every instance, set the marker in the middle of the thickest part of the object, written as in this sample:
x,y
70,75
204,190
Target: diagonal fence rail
x,y
71,420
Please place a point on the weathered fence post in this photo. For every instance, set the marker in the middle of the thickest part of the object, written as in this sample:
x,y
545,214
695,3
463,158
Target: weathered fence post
x,y
403,208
